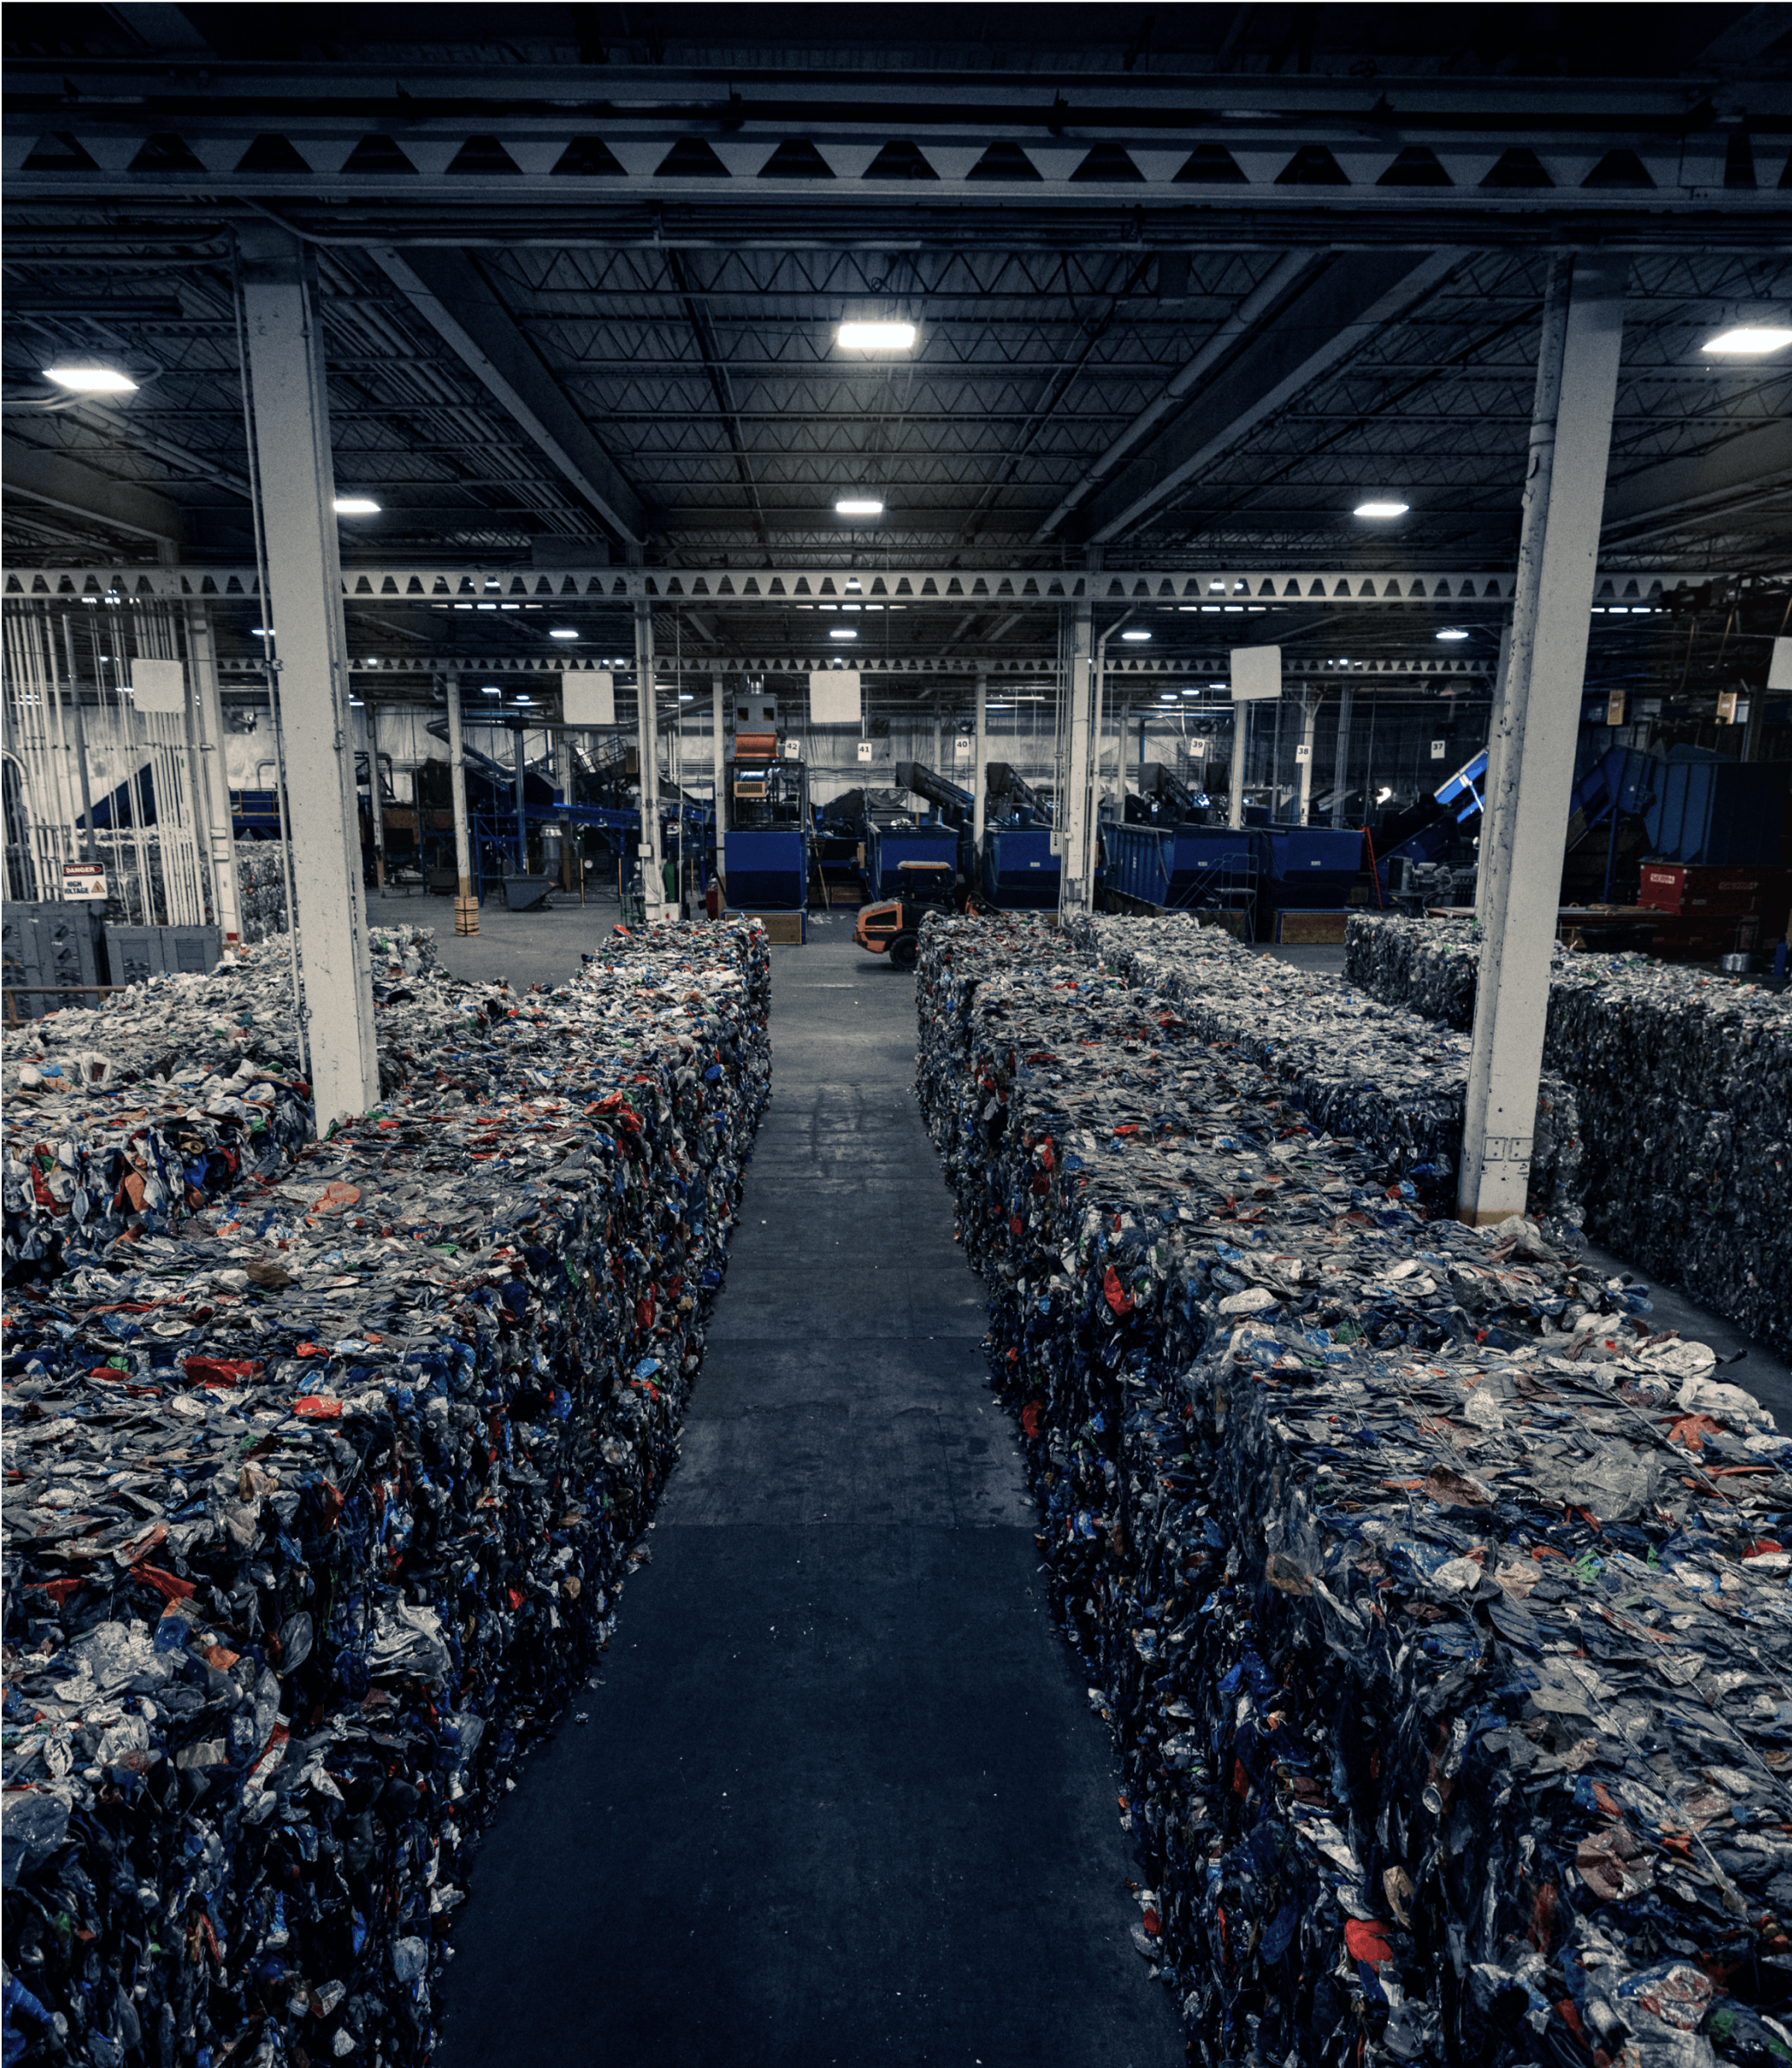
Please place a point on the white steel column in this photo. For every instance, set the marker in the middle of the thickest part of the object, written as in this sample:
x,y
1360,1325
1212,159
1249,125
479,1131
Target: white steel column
x,y
375,811
202,659
1490,778
977,778
296,496
648,748
1525,821
466,898
1241,741
716,702
1341,757
1310,727
1076,882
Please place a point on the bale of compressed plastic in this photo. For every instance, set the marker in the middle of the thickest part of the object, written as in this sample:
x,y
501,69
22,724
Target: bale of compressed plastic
x,y
1683,1084
1435,1600
261,887
121,1121
320,1504
1426,966
1362,1068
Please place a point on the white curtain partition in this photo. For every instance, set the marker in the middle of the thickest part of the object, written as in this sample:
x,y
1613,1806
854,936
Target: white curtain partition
x,y
156,873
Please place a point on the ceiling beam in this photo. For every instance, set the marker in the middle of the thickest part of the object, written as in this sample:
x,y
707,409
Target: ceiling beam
x,y
449,291
1754,33
1324,323
1223,345
1758,462
1218,587
51,477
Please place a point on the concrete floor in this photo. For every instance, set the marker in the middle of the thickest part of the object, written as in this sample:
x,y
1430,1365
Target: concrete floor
x,y
517,948
841,1797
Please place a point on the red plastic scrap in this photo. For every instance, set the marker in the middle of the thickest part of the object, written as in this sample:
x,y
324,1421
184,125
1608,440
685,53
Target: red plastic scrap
x,y
1367,1941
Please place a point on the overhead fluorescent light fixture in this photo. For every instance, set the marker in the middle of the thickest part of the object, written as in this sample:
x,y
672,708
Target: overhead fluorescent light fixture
x,y
91,380
356,506
491,689
256,632
876,336
858,506
1746,341
562,631
1139,633
844,632
1381,509
524,700
1453,632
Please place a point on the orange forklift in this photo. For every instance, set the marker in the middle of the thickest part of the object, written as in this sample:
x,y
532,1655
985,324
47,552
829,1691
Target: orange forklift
x,y
894,927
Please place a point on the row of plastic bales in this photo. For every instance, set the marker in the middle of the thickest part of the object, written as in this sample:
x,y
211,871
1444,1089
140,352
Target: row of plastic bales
x,y
1436,1602
326,1462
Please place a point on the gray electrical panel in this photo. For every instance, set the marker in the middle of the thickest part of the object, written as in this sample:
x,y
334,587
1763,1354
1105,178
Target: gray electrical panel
x,y
52,944
137,952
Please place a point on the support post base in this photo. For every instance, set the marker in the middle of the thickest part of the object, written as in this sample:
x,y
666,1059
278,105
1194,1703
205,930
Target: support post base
x,y
466,914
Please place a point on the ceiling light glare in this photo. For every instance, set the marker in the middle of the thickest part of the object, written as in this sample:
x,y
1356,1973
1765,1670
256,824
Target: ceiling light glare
x,y
91,380
1139,632
256,631
875,337
562,631
1746,341
844,632
491,689
858,506
1453,632
1381,509
356,506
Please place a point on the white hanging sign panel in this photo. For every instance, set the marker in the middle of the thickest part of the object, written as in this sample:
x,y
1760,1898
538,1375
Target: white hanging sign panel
x,y
962,748
793,750
1197,750
1256,673
1779,669
588,699
159,688
864,750
833,697
1438,748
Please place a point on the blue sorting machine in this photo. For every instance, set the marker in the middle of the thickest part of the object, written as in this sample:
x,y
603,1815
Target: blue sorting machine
x,y
768,871
1185,869
887,848
1020,870
1311,868
1724,811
